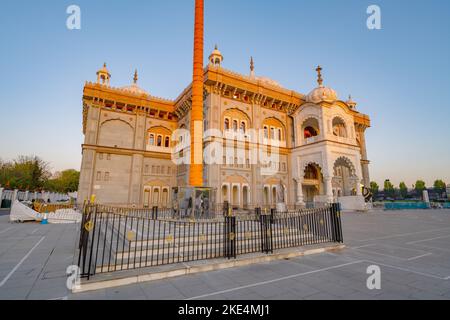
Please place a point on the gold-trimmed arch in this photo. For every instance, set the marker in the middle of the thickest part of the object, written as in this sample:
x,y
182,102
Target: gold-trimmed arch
x,y
235,114
274,123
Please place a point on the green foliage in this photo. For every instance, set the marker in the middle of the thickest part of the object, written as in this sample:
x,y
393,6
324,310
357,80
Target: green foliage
x,y
389,188
420,185
374,188
32,173
439,185
26,172
403,189
65,181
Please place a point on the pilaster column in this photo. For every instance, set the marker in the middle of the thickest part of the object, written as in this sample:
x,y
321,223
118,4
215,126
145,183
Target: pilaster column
x,y
358,187
1,194
27,193
329,189
300,192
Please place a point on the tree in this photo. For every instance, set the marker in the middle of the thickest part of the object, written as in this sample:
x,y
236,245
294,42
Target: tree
x,y
65,181
29,172
420,186
403,189
374,188
389,188
439,185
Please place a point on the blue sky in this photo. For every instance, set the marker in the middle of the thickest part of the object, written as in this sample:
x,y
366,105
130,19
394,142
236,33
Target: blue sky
x,y
399,75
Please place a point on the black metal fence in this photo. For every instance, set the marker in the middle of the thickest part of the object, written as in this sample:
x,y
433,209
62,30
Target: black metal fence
x,y
115,239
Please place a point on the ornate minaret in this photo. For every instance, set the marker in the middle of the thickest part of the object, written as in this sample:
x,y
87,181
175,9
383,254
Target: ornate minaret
x,y
196,166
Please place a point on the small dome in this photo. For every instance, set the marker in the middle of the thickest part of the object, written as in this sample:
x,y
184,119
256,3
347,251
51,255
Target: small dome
x,y
269,81
321,94
134,88
352,104
104,70
215,57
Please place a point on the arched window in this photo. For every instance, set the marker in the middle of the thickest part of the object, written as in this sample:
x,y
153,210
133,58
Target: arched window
x,y
272,133
266,133
279,134
167,142
226,124
339,128
235,125
224,193
242,127
159,141
152,140
310,132
311,172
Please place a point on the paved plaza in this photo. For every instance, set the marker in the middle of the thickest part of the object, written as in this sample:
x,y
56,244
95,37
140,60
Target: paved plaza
x,y
412,249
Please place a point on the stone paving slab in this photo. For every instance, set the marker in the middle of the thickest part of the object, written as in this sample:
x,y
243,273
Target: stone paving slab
x,y
412,249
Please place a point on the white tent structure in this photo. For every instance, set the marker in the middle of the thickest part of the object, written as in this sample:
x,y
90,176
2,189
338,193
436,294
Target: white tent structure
x,y
22,213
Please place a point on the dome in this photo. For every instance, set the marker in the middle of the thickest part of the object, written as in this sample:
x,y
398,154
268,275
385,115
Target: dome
x,y
134,88
268,81
321,94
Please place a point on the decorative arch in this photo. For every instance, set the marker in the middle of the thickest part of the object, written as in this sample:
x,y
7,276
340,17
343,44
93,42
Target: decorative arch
x,y
276,125
117,119
235,114
158,136
116,133
236,179
346,162
311,125
340,127
307,163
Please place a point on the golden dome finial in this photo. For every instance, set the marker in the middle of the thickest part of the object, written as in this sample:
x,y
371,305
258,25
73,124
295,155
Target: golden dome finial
x,y
135,78
319,75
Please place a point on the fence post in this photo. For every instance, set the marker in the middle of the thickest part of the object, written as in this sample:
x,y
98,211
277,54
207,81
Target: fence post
x,y
339,222
336,227
155,213
272,215
1,195
14,197
225,208
257,213
230,237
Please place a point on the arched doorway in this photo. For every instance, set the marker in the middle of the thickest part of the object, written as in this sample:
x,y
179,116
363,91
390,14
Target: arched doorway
x,y
345,180
266,196
245,196
165,198
225,193
274,195
235,196
312,182
146,197
155,197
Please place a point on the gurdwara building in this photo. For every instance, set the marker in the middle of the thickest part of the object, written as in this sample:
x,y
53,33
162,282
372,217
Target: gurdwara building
x,y
258,135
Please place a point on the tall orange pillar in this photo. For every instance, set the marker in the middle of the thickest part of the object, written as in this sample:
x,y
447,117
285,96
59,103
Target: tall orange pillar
x,y
196,166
